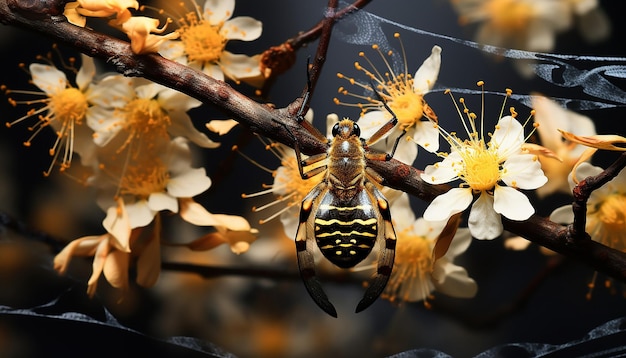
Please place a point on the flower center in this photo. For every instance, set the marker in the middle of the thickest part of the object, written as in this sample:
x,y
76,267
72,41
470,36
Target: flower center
x,y
291,183
408,107
145,116
481,168
612,212
203,41
69,105
509,15
144,178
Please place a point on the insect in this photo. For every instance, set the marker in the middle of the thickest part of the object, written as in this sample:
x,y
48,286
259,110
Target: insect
x,y
345,214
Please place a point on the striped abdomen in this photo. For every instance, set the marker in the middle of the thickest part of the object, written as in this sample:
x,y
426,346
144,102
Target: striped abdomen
x,y
346,231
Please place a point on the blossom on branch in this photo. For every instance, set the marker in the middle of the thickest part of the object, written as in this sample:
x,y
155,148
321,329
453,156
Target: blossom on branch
x,y
203,39
416,272
288,186
76,11
404,94
551,117
494,171
530,25
605,220
145,34
67,107
606,209
149,109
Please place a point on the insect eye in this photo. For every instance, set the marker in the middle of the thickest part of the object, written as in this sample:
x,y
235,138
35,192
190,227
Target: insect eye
x,y
335,129
356,130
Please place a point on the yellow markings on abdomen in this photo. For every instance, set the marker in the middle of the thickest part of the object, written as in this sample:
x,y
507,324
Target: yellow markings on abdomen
x,y
353,232
346,208
323,222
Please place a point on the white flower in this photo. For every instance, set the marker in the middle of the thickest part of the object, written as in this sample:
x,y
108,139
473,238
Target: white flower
x,y
404,94
415,274
67,107
484,168
606,209
150,109
531,25
203,38
288,186
551,117
148,184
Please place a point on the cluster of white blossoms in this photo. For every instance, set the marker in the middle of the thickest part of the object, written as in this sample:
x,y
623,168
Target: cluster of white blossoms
x,y
133,136
531,25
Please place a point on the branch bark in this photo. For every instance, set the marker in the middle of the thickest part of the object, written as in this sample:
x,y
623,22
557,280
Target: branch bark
x,y
279,123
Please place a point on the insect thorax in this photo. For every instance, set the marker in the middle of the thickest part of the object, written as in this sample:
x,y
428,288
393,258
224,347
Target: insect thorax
x,y
346,231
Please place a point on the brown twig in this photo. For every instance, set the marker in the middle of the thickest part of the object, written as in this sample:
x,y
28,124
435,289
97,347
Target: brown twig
x,y
278,124
280,58
583,191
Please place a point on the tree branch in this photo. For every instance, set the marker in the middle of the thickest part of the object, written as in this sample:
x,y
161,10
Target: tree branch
x,y
43,17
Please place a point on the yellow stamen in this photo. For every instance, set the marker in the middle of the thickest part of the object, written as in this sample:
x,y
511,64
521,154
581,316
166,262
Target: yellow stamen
x,y
203,42
412,268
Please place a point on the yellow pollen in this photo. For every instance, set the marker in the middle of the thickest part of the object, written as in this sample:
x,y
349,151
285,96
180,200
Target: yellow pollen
x,y
481,167
293,183
145,115
69,104
412,268
406,104
509,16
203,41
612,213
145,178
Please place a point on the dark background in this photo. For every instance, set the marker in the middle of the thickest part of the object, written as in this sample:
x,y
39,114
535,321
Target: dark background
x,y
523,296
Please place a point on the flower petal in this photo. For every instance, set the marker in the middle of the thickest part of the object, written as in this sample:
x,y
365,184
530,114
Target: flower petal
x,y
523,171
427,74
484,222
162,201
453,281
237,66
370,122
99,259
217,11
460,243
508,136
189,183
140,214
48,78
182,126
426,135
111,92
563,215
116,269
512,203
173,50
221,127
242,28
172,100
213,70
448,204
196,214
402,213
84,246
86,72
444,171
118,224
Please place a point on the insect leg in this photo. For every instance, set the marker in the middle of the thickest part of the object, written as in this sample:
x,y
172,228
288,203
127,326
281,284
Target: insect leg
x,y
387,243
304,250
385,128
